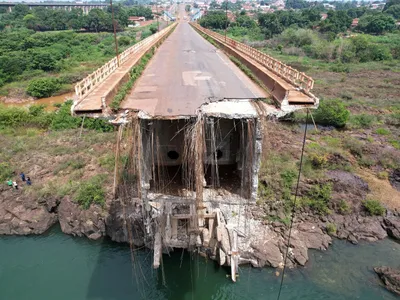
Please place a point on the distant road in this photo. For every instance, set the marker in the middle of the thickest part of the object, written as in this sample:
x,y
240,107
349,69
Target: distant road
x,y
186,72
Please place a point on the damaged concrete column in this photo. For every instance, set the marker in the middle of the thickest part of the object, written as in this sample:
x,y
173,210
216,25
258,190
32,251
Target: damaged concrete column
x,y
255,168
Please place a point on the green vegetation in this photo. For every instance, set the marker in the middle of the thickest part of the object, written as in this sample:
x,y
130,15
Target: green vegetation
x,y
331,229
36,116
6,171
374,207
91,191
134,75
43,87
382,131
44,64
42,19
318,198
344,208
332,113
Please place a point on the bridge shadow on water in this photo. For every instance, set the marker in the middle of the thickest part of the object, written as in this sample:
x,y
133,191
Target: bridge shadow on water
x,y
182,275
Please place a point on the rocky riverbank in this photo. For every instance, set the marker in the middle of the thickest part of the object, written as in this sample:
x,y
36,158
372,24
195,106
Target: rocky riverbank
x,y
390,278
60,162
262,243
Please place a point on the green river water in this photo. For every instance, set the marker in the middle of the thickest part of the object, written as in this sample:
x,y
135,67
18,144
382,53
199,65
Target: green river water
x,y
61,267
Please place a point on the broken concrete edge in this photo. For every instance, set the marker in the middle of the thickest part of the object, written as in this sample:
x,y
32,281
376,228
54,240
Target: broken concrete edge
x,y
95,114
221,108
284,103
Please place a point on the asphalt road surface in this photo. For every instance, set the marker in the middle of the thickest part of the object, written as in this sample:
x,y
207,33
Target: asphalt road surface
x,y
186,72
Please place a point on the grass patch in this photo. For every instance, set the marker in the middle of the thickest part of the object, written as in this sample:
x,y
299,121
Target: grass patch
x,y
75,164
6,172
382,131
344,207
362,121
91,191
317,199
134,73
107,161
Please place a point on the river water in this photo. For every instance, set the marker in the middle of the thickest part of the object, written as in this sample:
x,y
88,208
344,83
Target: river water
x,y
61,267
47,102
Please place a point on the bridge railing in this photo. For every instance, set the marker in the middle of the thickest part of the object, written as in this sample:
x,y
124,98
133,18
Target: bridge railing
x,y
86,85
286,72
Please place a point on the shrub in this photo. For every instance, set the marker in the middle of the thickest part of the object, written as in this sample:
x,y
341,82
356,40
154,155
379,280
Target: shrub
x,y
374,207
332,113
344,207
318,160
5,171
43,87
339,68
91,191
319,198
393,119
362,121
355,146
382,131
124,41
383,175
331,228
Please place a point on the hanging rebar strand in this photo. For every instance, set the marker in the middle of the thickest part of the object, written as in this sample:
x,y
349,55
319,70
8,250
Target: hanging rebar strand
x,y
213,156
153,166
199,170
251,140
188,160
117,156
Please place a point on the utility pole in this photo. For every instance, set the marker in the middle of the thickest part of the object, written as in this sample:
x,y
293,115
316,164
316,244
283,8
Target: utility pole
x,y
115,32
158,17
226,15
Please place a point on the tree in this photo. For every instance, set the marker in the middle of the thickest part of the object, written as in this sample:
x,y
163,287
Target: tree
x,y
43,87
296,4
376,24
97,20
270,24
214,5
140,11
187,7
214,20
390,3
332,113
245,21
31,21
337,21
20,11
394,11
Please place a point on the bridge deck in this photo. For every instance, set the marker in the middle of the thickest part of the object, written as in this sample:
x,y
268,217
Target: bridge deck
x,y
186,72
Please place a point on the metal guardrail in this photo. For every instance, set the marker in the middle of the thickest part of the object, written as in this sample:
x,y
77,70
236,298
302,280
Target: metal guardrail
x,y
286,72
86,85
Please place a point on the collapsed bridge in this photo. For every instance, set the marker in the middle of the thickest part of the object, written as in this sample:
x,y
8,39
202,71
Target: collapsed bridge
x,y
190,135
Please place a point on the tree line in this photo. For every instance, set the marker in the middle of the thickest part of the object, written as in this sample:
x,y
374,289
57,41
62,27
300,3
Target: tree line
x,y
42,19
337,21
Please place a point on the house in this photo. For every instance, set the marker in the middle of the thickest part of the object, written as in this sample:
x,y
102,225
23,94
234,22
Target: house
x,y
354,23
137,19
323,17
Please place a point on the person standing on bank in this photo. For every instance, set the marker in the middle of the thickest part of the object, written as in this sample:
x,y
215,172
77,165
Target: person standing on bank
x,y
15,185
22,176
28,180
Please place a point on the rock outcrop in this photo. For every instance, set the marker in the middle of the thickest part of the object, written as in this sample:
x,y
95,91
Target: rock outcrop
x,y
392,225
21,214
390,277
77,221
117,227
